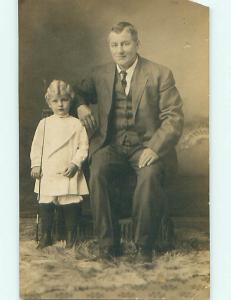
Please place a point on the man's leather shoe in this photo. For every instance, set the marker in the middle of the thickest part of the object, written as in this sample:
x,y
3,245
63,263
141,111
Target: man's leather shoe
x,y
117,250
143,256
106,253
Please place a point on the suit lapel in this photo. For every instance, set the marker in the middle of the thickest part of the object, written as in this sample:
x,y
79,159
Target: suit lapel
x,y
138,83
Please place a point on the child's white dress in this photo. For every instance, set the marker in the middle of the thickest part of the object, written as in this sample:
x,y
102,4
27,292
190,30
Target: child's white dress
x,y
65,141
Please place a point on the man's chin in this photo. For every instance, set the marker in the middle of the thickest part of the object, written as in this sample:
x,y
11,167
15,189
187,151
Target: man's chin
x,y
123,64
120,62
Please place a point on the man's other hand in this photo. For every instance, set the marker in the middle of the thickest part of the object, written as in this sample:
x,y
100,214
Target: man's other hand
x,y
147,157
86,117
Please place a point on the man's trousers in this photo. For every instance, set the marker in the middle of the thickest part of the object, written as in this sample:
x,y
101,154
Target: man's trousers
x,y
149,199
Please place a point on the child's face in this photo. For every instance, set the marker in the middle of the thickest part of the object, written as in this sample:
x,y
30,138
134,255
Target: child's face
x,y
60,105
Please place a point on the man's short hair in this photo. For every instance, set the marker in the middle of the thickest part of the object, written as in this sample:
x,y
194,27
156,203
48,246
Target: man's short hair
x,y
119,27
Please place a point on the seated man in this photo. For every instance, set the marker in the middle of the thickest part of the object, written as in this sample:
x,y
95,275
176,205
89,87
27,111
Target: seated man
x,y
139,121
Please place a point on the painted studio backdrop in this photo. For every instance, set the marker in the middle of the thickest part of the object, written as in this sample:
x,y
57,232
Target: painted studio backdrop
x,y
64,39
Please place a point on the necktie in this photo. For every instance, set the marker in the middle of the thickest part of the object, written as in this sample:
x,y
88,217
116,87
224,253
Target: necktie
x,y
123,80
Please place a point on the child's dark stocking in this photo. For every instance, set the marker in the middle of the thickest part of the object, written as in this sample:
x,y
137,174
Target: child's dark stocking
x,y
46,212
71,214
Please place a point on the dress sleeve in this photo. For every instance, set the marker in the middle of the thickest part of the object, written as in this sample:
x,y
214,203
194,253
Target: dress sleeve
x,y
37,144
83,146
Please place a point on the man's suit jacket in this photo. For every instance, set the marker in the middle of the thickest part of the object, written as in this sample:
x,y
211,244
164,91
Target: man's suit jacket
x,y
156,105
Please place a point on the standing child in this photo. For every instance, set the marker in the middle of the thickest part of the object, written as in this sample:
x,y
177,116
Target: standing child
x,y
59,147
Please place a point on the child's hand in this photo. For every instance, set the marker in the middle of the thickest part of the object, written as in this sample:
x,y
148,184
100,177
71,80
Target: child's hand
x,y
36,172
71,170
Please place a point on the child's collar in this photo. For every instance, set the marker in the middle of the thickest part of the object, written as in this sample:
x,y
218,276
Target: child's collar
x,y
65,116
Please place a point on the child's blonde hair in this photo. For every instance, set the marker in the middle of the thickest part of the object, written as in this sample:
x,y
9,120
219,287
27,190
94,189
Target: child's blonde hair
x,y
59,88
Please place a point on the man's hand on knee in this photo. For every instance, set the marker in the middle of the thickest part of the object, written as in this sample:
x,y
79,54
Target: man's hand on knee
x,y
147,157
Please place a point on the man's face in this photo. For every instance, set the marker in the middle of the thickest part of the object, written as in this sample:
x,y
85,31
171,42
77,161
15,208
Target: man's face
x,y
123,48
60,105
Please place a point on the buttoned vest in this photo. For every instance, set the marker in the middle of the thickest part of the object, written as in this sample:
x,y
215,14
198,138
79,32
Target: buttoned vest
x,y
121,121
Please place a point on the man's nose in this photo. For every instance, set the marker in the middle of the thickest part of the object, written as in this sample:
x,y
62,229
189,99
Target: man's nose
x,y
60,103
120,49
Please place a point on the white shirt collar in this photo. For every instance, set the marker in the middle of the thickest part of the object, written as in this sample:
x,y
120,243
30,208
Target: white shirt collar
x,y
129,75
